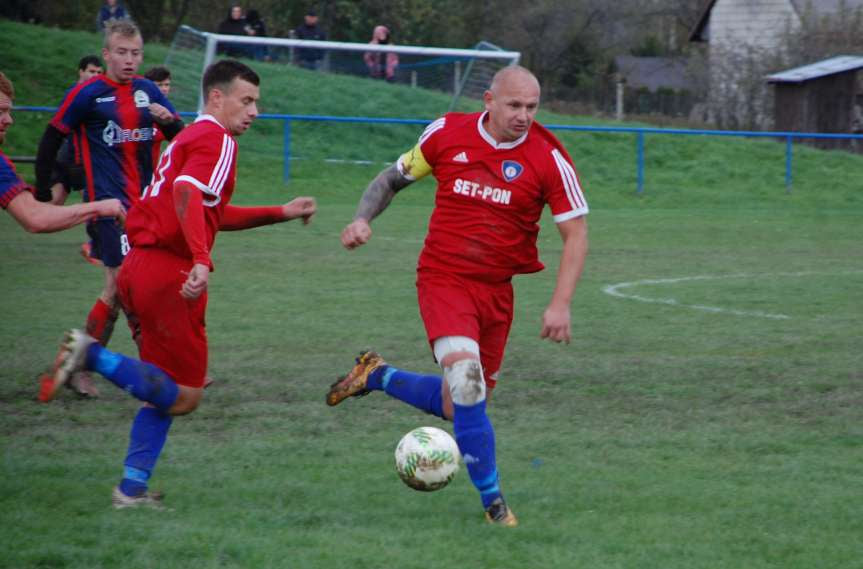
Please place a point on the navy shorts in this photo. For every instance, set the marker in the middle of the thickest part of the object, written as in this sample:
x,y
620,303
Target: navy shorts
x,y
110,243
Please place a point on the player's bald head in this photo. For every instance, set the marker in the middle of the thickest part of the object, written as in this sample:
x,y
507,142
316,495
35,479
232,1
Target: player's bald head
x,y
511,100
513,76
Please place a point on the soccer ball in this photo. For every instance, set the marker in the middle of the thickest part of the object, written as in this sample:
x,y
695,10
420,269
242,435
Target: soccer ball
x,y
427,459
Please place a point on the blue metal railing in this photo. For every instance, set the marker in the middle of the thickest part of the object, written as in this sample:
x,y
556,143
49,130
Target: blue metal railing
x,y
640,133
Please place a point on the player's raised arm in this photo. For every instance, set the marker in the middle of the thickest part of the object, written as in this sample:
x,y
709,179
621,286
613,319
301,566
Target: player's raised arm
x,y
556,320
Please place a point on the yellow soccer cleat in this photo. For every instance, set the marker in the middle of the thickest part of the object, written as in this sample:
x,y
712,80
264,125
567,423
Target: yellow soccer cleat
x,y
354,384
498,513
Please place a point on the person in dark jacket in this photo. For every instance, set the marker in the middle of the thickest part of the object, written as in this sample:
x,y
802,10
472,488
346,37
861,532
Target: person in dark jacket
x,y
255,27
310,30
111,10
234,25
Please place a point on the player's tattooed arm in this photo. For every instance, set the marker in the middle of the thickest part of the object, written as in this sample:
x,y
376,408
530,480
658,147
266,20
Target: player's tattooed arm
x,y
380,192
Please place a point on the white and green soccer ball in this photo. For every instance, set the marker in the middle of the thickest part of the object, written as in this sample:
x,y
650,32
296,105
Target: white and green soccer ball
x,y
427,459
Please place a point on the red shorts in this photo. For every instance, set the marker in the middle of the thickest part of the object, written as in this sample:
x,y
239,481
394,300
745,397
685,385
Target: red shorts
x,y
172,328
452,305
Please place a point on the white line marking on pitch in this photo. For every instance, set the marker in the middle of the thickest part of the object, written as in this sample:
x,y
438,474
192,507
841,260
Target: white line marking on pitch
x,y
614,290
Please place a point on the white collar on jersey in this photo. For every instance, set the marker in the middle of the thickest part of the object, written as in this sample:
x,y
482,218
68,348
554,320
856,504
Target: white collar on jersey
x,y
490,139
211,118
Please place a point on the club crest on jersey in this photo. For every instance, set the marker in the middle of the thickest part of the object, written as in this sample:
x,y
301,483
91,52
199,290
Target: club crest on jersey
x,y
142,99
511,170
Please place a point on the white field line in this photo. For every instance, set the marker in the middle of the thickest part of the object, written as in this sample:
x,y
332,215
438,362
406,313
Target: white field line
x,y
615,290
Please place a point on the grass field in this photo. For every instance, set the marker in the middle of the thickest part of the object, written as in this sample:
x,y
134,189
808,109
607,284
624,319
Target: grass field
x,y
708,416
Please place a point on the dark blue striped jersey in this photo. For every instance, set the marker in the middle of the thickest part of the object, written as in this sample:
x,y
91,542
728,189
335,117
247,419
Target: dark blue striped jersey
x,y
115,129
10,183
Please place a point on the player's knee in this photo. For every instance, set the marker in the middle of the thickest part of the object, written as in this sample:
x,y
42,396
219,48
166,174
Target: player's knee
x,y
466,384
449,349
186,402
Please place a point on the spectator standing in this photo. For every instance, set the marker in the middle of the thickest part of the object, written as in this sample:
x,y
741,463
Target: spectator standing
x,y
234,25
111,10
310,58
255,27
382,65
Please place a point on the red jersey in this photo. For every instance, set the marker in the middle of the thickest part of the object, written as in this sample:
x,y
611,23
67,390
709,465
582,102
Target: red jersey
x,y
490,196
158,139
204,155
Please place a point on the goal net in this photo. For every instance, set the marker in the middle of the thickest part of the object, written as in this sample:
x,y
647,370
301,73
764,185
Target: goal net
x,y
426,83
458,73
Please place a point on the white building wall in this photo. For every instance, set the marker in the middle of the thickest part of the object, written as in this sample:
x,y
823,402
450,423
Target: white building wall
x,y
756,23
744,34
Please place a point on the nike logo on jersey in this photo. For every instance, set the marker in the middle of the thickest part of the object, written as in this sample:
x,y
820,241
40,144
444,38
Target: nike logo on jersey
x,y
106,99
480,192
460,157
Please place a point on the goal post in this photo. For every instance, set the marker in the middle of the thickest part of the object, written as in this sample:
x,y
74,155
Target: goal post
x,y
450,70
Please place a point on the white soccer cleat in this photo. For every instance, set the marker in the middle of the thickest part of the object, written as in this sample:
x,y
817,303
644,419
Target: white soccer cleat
x,y
71,359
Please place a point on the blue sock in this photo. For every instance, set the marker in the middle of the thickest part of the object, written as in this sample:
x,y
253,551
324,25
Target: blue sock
x,y
475,437
146,439
142,380
421,391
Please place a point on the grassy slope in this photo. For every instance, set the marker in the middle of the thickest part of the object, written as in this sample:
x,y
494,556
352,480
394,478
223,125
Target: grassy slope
x,y
663,437
711,171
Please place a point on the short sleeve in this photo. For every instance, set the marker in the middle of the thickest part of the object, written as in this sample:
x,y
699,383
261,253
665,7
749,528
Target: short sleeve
x,y
562,187
429,139
210,166
72,110
10,184
413,165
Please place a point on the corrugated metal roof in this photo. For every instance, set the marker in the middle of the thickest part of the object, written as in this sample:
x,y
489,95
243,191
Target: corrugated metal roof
x,y
832,66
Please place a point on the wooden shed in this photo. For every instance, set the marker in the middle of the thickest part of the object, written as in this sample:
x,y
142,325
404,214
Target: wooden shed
x,y
819,97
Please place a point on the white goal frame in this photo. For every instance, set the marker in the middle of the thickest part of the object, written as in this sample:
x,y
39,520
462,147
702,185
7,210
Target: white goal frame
x,y
491,52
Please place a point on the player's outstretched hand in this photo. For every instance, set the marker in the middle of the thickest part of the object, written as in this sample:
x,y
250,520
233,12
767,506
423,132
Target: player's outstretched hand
x,y
111,208
357,233
196,281
160,114
556,324
301,207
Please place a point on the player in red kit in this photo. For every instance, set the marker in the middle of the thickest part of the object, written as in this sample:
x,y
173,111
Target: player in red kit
x,y
496,171
112,116
163,281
